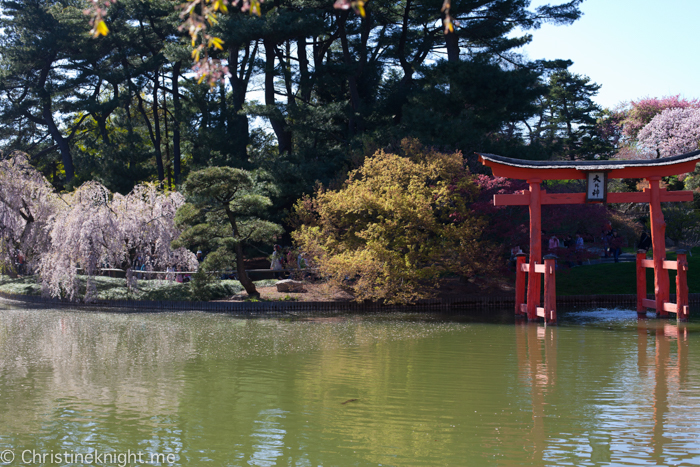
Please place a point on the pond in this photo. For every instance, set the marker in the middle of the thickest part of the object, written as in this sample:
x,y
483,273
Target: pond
x,y
408,389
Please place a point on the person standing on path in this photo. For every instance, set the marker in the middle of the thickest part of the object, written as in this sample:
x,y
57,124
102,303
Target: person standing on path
x,y
553,243
276,263
616,245
579,249
644,241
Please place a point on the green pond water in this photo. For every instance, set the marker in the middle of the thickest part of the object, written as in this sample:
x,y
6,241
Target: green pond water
x,y
602,388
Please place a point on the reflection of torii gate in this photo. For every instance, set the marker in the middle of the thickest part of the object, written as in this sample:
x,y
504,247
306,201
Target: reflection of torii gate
x,y
536,171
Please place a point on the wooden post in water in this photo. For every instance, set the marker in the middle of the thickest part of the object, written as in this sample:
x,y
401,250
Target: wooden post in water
x,y
682,308
520,276
641,283
550,290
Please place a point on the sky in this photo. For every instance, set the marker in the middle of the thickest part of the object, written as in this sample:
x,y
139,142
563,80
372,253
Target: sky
x,y
633,48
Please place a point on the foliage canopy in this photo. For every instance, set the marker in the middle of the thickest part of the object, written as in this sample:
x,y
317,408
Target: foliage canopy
x,y
398,224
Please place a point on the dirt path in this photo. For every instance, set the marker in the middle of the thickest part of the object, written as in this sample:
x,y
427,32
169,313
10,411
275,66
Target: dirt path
x,y
322,292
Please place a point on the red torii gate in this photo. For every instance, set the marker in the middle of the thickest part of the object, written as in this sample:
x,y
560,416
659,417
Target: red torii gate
x,y
651,170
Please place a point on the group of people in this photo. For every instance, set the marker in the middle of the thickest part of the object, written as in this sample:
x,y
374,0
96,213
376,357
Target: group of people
x,y
554,244
286,258
146,271
572,249
281,260
176,274
612,243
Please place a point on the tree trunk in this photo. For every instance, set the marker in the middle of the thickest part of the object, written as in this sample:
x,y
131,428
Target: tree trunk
x,y
355,121
406,65
102,125
284,137
223,108
47,115
304,75
176,124
452,44
240,260
156,127
153,129
61,142
239,79
243,278
167,159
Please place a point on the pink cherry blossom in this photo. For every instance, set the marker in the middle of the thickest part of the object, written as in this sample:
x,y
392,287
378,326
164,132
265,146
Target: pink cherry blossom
x,y
100,229
87,229
27,203
672,132
641,112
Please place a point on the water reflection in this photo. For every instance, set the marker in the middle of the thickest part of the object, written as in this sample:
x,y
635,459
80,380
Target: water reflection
x,y
353,390
537,358
670,372
645,416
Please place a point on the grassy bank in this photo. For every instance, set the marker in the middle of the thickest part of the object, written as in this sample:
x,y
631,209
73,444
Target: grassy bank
x,y
619,278
597,279
109,288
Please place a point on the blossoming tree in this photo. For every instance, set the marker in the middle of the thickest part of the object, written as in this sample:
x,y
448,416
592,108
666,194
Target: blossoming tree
x,y
98,229
27,203
672,132
640,113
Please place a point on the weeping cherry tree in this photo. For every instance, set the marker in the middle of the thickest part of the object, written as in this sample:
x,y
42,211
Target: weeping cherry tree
x,y
27,203
98,229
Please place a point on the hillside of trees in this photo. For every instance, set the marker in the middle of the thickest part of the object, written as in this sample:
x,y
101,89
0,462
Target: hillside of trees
x,y
312,89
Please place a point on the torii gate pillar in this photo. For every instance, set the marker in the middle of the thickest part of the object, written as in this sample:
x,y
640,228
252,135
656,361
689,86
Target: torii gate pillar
x,y
658,242
533,279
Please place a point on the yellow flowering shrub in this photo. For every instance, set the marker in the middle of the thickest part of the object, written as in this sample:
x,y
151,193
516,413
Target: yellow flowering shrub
x,y
398,224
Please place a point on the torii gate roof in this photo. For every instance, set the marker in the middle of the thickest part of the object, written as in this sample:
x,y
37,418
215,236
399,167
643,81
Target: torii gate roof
x,y
571,170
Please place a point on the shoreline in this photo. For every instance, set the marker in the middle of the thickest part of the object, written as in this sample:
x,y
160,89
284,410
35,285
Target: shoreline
x,y
260,307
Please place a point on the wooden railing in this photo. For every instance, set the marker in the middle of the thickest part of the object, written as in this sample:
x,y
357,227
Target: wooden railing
x,y
533,311
681,307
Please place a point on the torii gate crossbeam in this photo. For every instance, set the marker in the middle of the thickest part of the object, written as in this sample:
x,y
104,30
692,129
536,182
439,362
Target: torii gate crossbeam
x,y
534,172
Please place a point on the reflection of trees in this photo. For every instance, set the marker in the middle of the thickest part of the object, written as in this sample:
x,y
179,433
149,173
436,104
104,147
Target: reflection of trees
x,y
210,386
418,388
266,392
70,363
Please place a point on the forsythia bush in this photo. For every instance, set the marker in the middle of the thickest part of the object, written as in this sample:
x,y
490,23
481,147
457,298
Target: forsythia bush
x,y
399,223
